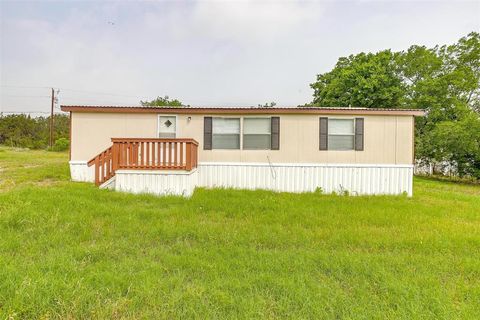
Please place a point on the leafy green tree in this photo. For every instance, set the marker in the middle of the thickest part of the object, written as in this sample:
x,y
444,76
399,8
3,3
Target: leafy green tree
x,y
31,132
20,131
463,62
363,80
456,143
448,89
444,81
162,102
267,105
417,65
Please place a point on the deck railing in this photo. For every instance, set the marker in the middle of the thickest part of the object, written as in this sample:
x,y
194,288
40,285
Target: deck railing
x,y
145,154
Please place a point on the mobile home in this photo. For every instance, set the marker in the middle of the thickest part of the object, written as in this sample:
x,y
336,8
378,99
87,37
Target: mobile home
x,y
166,150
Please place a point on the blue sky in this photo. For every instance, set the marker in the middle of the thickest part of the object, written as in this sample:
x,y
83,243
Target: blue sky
x,y
202,52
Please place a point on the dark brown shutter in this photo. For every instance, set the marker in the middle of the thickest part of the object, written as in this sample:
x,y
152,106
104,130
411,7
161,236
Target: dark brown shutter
x,y
207,133
359,134
323,133
275,125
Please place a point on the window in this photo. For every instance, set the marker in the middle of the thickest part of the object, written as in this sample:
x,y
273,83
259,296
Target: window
x,y
226,133
167,126
257,133
341,134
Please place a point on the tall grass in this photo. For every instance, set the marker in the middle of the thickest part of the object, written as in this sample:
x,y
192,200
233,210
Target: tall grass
x,y
70,250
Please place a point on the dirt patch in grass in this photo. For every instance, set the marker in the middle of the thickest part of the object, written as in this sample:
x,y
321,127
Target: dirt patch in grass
x,y
6,185
46,182
31,166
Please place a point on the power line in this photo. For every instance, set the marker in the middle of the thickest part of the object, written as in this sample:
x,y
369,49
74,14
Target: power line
x,y
67,97
46,112
81,91
27,87
141,96
10,107
103,93
123,95
20,96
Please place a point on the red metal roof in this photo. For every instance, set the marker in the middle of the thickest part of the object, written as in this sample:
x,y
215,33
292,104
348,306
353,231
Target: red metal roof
x,y
189,109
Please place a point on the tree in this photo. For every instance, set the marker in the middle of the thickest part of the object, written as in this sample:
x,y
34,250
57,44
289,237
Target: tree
x,y
444,81
162,102
463,61
21,131
447,87
267,105
456,143
29,132
363,80
416,65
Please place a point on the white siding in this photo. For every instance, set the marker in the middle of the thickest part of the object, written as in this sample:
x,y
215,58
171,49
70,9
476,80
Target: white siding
x,y
80,171
157,182
356,179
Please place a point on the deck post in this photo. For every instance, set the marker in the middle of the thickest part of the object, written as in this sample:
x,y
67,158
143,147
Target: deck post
x,y
115,157
188,156
97,167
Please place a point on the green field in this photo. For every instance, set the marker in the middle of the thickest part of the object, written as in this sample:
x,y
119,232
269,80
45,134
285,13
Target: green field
x,y
70,250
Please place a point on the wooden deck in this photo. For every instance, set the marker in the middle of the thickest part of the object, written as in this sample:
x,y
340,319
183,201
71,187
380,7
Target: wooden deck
x,y
145,154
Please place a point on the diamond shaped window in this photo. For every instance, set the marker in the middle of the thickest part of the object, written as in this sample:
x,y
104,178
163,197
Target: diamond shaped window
x,y
168,123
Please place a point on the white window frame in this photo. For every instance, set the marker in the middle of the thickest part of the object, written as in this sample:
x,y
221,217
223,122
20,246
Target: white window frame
x,y
240,119
176,124
256,117
353,134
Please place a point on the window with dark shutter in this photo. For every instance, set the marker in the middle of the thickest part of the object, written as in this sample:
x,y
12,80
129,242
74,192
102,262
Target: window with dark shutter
x,y
323,133
341,134
257,133
225,133
207,133
359,127
275,125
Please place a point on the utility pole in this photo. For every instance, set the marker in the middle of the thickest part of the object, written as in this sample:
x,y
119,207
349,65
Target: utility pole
x,y
51,119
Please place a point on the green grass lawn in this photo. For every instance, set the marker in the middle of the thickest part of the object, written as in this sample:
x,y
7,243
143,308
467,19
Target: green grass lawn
x,y
70,250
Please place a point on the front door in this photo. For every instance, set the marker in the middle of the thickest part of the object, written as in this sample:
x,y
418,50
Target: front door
x,y
167,127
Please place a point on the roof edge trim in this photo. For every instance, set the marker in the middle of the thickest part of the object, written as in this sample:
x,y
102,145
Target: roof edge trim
x,y
225,110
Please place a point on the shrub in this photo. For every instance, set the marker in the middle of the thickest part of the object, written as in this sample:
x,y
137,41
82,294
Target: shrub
x,y
61,144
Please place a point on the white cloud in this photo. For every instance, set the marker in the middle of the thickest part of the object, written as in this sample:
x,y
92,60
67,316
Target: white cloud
x,y
230,53
255,21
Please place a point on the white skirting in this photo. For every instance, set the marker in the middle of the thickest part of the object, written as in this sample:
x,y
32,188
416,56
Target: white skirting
x,y
159,182
80,171
356,179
